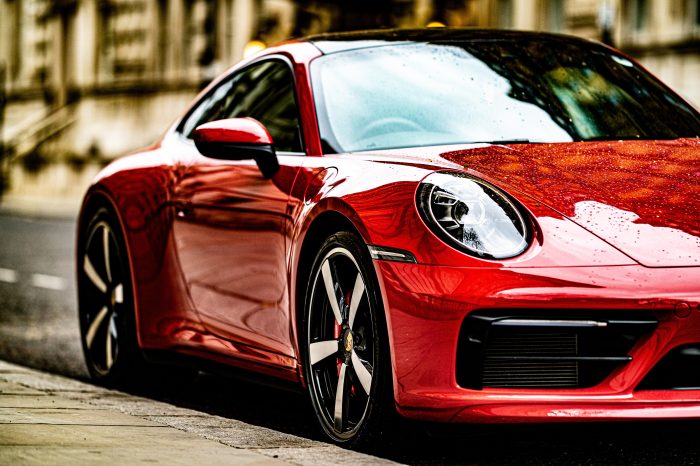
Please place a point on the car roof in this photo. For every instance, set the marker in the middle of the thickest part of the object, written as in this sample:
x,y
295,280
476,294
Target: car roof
x,y
342,41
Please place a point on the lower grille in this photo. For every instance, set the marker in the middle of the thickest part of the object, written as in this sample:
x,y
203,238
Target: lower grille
x,y
510,349
678,370
501,369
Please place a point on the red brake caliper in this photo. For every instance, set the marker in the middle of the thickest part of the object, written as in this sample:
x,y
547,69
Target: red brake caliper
x,y
336,335
347,301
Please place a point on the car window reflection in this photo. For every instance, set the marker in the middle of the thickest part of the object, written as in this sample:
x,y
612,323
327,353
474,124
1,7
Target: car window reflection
x,y
490,91
263,91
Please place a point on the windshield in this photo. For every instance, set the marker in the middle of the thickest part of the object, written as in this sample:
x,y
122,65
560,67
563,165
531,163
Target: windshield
x,y
421,94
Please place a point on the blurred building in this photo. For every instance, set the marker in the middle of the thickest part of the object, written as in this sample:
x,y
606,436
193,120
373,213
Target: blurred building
x,y
101,77
92,79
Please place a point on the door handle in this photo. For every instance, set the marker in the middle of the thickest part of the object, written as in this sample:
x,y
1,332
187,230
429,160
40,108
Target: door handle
x,y
183,209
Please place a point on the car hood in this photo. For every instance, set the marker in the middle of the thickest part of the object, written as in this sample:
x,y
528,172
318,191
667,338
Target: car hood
x,y
642,197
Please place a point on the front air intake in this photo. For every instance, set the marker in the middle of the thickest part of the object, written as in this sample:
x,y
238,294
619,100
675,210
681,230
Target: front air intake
x,y
511,360
510,349
677,370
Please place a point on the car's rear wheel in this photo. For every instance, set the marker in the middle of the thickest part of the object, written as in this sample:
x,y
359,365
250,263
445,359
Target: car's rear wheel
x,y
107,312
105,302
346,358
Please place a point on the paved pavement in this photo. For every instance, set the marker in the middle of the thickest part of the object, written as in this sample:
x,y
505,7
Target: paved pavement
x,y
49,419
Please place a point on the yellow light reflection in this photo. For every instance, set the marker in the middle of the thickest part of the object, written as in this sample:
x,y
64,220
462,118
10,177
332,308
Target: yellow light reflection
x,y
253,47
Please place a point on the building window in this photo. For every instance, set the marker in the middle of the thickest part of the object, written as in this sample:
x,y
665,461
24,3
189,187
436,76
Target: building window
x,y
505,13
123,37
555,15
639,14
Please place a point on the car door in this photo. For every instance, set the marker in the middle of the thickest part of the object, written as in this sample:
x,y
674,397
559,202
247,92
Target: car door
x,y
231,223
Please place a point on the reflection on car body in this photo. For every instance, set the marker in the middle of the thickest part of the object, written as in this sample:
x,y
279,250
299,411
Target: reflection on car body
x,y
451,225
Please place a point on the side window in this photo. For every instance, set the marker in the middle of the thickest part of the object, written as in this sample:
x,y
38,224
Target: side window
x,y
265,92
211,108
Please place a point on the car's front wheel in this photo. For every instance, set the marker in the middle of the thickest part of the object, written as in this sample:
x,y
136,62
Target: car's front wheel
x,y
346,357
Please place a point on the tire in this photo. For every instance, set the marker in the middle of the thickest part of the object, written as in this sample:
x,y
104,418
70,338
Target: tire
x,y
107,313
105,301
345,345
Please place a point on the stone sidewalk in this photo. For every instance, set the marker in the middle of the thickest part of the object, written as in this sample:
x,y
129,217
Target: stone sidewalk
x,y
48,419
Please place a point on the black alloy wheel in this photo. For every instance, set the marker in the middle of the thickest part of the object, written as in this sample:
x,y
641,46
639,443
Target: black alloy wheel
x,y
346,355
107,312
105,302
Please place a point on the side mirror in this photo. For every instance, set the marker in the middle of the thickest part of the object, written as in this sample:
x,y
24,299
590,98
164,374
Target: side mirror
x,y
238,139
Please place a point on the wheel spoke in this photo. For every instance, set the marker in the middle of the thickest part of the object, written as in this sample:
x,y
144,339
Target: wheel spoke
x,y
119,293
357,292
105,247
330,291
321,350
93,275
95,325
340,399
362,372
332,362
108,343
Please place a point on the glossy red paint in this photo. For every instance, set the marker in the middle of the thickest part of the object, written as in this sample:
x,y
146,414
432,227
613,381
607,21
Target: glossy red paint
x,y
229,233
215,253
233,131
633,194
427,301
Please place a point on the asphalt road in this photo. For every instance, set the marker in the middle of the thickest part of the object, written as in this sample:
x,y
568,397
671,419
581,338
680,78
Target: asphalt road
x,y
38,328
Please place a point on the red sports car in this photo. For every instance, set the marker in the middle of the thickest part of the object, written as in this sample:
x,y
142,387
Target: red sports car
x,y
455,225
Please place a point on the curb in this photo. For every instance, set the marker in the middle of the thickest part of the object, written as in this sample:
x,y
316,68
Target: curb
x,y
46,418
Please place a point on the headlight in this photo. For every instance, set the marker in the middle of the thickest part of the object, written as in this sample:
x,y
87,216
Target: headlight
x,y
472,216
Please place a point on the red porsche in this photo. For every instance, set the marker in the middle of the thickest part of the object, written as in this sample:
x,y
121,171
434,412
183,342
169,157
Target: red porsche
x,y
451,225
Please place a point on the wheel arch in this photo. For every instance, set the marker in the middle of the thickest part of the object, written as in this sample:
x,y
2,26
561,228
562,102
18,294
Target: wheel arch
x,y
320,226
99,197
318,240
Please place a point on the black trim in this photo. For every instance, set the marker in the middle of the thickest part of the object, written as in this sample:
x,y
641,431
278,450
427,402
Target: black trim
x,y
179,360
565,355
679,369
263,154
342,41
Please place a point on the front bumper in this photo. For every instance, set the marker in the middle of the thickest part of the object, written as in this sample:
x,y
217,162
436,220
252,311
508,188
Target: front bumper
x,y
426,307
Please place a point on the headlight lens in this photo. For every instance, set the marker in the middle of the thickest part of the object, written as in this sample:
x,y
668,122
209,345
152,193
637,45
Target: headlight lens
x,y
472,215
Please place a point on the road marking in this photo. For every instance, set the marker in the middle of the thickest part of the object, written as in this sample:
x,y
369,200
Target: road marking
x,y
8,276
49,282
39,280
